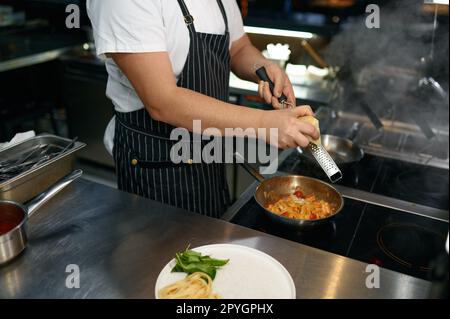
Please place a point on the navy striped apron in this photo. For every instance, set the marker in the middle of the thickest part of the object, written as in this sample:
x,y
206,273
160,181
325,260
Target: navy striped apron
x,y
142,145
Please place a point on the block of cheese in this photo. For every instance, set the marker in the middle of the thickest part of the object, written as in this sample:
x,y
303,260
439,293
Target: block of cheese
x,y
314,122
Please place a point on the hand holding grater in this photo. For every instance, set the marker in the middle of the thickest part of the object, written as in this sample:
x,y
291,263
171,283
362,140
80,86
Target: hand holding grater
x,y
318,151
262,75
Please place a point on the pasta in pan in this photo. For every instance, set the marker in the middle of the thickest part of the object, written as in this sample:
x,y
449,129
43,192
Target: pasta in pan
x,y
299,206
195,286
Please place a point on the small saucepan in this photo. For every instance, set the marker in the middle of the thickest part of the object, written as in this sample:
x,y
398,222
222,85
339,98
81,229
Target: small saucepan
x,y
14,217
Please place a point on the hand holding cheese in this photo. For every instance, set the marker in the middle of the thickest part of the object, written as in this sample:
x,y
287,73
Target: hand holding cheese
x,y
314,122
290,132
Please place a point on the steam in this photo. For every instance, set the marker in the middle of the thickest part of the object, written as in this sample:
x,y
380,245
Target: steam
x,y
398,41
396,50
385,66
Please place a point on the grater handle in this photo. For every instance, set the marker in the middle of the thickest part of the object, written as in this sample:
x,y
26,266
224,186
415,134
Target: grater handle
x,y
336,177
263,76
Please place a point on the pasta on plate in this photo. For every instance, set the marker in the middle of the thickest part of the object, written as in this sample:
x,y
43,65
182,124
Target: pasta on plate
x,y
195,286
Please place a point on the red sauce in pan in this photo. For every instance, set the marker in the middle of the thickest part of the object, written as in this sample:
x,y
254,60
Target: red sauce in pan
x,y
10,217
6,227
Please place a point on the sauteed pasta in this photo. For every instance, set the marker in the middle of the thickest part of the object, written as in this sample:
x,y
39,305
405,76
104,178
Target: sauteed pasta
x,y
299,206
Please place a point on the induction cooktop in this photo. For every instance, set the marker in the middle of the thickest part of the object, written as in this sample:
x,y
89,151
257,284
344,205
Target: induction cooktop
x,y
396,240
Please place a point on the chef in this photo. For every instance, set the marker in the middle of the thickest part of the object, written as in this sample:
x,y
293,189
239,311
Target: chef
x,y
169,63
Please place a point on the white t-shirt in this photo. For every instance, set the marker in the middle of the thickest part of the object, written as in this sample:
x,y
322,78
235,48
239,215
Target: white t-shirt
x,y
151,26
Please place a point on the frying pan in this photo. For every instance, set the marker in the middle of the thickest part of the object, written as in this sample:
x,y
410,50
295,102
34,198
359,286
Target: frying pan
x,y
14,217
341,150
272,189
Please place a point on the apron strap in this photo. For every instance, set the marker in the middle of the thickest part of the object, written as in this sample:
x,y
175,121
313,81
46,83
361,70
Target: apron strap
x,y
189,19
224,14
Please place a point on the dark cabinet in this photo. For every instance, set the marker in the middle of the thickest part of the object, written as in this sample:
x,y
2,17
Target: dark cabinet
x,y
88,109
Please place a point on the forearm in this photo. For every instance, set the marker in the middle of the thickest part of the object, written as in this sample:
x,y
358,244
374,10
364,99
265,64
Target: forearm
x,y
152,77
244,59
182,106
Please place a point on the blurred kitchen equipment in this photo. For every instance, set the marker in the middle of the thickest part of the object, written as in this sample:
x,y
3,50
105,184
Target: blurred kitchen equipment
x,y
278,53
436,2
367,99
423,125
439,275
428,81
336,4
54,158
10,18
84,81
332,72
371,115
314,54
14,217
434,85
324,72
307,75
272,189
318,151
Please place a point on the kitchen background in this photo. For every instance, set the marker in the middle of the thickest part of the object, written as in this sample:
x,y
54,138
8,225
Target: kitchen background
x,y
51,80
385,89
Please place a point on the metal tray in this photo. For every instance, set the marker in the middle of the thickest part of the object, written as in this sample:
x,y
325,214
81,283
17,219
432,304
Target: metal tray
x,y
32,182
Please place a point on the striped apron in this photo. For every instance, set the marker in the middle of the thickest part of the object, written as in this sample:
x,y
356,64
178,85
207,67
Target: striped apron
x,y
142,145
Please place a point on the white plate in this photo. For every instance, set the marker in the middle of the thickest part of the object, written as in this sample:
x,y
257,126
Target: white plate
x,y
250,274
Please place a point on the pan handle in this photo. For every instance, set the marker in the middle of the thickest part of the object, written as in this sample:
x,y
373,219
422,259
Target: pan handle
x,y
356,128
314,54
41,199
241,160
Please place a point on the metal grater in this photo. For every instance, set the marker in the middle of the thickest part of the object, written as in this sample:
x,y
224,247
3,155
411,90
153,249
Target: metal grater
x,y
320,154
326,162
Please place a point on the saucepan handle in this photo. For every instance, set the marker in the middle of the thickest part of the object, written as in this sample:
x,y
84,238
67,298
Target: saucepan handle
x,y
42,198
252,171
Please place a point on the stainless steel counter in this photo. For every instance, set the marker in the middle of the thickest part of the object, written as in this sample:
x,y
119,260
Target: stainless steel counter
x,y
121,242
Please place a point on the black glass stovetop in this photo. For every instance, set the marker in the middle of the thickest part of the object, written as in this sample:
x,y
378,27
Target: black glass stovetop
x,y
428,186
399,241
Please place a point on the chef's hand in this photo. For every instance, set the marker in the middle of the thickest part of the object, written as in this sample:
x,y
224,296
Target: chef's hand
x,y
290,131
282,84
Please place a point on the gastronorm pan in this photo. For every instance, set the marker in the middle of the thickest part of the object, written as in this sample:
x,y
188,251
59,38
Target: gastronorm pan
x,y
31,182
